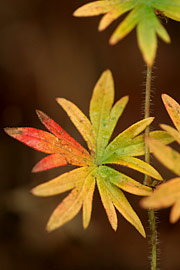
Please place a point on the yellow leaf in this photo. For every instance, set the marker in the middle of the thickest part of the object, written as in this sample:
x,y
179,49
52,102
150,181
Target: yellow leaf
x,y
172,131
107,202
94,8
123,206
165,195
175,212
62,183
166,155
87,205
71,205
173,109
81,122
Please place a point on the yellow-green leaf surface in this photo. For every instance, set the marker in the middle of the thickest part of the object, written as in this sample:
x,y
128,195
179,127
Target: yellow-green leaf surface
x,y
81,122
134,163
173,109
93,168
100,107
136,146
166,155
172,131
107,202
62,183
164,196
123,206
124,138
142,14
124,182
87,205
71,205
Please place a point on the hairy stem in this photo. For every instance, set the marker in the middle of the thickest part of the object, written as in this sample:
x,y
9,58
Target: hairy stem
x,y
152,225
147,179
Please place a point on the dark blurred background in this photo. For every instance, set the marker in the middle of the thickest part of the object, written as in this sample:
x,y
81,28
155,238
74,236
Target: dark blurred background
x,y
46,53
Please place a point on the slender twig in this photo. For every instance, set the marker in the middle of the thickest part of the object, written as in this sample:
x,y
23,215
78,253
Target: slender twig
x,y
147,179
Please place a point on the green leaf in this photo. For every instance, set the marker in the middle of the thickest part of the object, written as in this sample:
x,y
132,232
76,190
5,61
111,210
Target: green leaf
x,y
136,147
124,138
124,182
112,15
123,206
135,164
100,107
166,155
126,26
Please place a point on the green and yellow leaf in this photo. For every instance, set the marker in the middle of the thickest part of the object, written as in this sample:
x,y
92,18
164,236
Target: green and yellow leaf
x,y
135,164
124,182
107,202
62,183
64,150
142,14
71,205
123,206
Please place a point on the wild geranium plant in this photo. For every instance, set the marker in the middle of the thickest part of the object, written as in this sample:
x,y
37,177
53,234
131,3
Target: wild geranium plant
x,y
149,18
93,165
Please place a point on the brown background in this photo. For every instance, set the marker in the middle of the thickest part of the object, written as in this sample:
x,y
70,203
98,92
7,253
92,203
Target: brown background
x,y
46,53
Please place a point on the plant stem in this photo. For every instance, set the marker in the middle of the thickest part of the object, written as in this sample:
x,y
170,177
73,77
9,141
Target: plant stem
x,y
147,179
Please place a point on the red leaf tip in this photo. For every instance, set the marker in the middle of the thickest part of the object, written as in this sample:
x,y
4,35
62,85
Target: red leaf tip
x,y
42,115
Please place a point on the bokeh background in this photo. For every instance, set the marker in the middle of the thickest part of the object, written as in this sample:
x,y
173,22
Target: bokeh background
x,y
46,53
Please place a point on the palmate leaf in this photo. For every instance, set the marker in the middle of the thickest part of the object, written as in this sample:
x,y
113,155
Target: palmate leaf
x,y
93,166
142,14
167,194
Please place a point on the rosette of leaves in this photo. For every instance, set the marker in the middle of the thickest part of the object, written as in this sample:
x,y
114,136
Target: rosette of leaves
x,y
93,169
167,194
143,14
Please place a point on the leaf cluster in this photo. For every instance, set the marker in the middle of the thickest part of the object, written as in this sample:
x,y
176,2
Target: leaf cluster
x,y
92,165
144,15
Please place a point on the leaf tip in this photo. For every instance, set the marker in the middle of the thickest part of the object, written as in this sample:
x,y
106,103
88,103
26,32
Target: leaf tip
x,y
41,115
113,41
13,132
34,169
